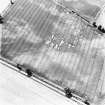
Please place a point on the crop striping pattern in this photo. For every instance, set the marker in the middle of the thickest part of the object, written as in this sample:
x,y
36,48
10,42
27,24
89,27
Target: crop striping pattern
x,y
55,43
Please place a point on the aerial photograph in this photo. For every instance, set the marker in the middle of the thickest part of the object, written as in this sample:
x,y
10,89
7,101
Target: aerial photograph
x,y
52,50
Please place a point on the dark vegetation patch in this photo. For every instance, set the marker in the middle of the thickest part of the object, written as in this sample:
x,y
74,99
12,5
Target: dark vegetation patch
x,y
20,46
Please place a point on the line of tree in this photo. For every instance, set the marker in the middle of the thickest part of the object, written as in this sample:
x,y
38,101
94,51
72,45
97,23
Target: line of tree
x,y
1,20
99,27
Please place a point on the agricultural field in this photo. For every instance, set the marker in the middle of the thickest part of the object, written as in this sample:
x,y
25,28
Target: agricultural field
x,y
55,44
87,8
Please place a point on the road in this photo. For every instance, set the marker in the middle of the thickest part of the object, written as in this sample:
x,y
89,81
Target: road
x,y
17,89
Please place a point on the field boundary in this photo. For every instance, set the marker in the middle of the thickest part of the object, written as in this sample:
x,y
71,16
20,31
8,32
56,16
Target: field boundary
x,y
40,80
